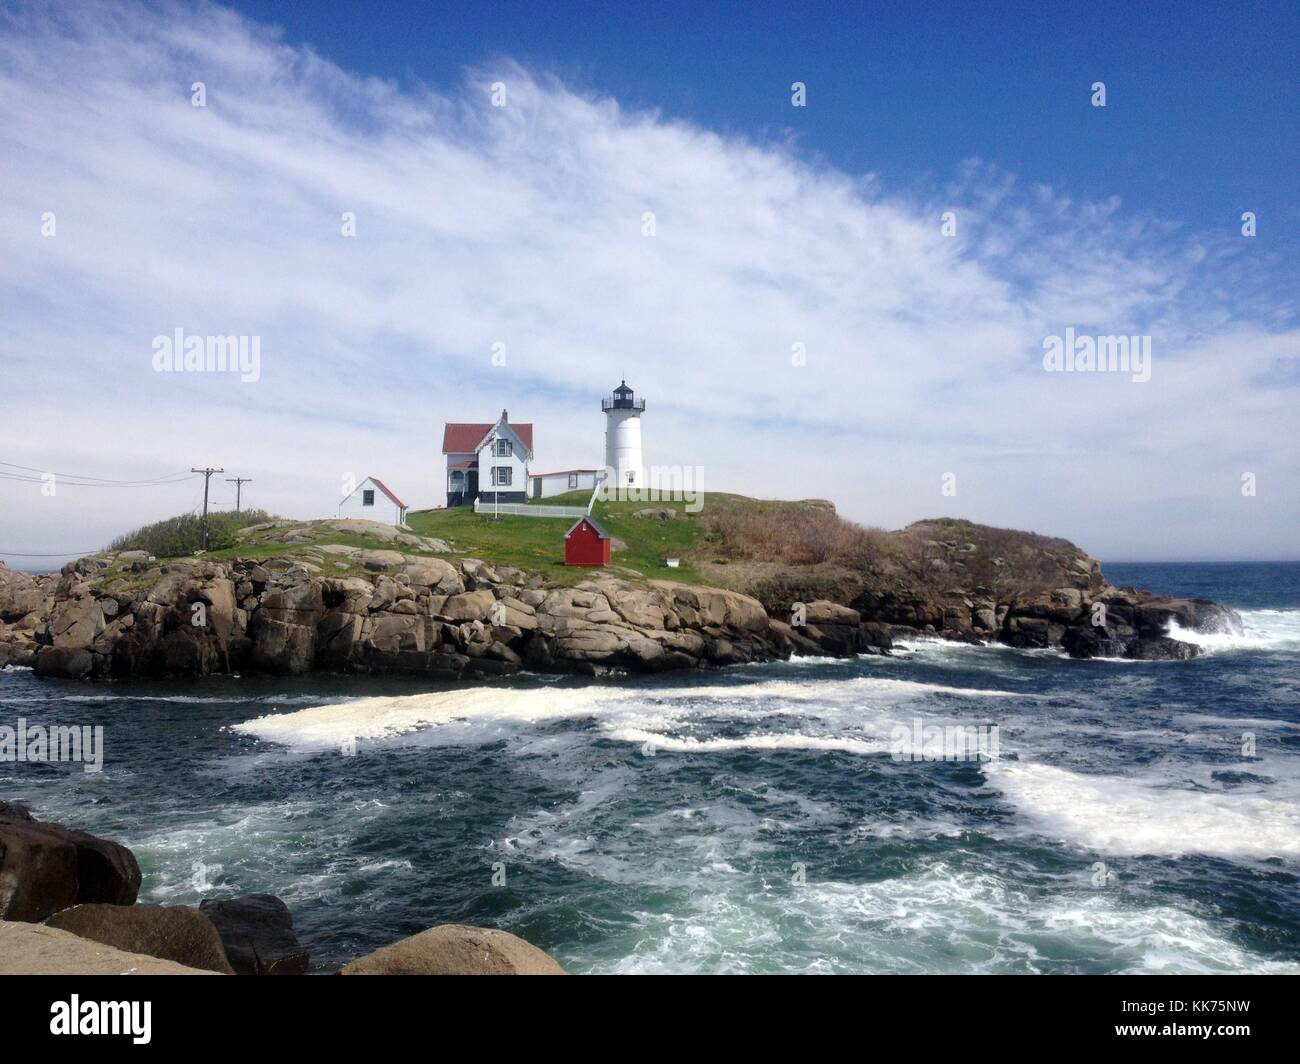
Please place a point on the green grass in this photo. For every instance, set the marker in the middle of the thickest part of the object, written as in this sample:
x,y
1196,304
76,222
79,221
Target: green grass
x,y
537,543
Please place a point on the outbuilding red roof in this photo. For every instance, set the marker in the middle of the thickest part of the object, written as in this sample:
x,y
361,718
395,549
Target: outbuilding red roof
x,y
461,437
384,488
595,527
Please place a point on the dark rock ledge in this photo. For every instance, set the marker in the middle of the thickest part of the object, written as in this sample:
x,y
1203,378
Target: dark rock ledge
x,y
428,616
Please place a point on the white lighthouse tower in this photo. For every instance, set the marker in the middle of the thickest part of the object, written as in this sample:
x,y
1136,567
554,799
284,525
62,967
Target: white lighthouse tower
x,y
623,437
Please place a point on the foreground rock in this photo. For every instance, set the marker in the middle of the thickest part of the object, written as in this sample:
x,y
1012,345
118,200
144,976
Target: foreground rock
x,y
257,933
46,867
453,949
176,933
35,949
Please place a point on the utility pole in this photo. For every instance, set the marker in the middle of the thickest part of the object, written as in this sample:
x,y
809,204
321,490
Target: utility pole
x,y
207,475
238,481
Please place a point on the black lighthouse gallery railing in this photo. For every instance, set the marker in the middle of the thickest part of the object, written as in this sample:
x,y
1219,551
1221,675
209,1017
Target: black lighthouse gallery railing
x,y
622,402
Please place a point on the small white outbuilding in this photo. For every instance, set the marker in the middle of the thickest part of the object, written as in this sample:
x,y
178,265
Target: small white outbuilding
x,y
373,501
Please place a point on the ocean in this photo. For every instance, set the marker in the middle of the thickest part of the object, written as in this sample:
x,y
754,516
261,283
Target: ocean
x,y
1138,817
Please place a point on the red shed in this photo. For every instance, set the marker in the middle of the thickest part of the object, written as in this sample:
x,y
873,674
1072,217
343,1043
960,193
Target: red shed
x,y
586,543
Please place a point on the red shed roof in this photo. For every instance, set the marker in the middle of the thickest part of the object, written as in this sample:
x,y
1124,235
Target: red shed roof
x,y
461,437
384,488
600,532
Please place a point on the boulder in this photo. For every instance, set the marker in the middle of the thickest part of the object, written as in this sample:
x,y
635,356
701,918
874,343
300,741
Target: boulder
x,y
380,561
257,933
282,647
76,622
820,611
46,867
35,949
72,663
177,933
453,949
468,606
435,573
1161,648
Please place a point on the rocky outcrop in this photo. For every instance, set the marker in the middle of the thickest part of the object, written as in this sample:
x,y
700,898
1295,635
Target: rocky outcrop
x,y
452,949
406,614
34,949
257,933
46,867
397,612
974,583
176,933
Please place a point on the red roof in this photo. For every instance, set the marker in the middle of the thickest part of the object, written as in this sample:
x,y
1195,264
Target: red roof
x,y
600,532
384,488
459,437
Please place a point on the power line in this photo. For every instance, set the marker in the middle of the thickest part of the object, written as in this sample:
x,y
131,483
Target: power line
x,y
63,554
73,481
130,482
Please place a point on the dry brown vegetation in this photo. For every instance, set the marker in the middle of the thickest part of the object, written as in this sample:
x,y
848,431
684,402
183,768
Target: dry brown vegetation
x,y
810,533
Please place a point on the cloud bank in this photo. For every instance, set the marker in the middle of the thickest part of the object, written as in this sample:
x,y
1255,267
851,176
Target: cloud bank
x,y
523,226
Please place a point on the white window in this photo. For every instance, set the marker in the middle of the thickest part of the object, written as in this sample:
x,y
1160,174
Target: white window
x,y
501,475
502,448
573,480
368,497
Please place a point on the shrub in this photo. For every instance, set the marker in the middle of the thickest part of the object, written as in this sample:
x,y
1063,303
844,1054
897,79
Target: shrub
x,y
182,535
792,535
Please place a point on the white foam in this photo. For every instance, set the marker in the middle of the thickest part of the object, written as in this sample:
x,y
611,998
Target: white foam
x,y
778,741
937,919
1261,630
821,690
327,726
323,727
1121,815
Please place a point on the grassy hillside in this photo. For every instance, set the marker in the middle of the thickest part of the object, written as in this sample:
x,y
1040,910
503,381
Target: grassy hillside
x,y
778,551
733,541
537,543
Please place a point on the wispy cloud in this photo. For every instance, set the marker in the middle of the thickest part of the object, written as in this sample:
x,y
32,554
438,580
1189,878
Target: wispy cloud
x,y
523,225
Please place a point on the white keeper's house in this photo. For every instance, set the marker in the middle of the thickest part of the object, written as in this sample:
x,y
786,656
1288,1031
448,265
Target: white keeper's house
x,y
374,501
487,461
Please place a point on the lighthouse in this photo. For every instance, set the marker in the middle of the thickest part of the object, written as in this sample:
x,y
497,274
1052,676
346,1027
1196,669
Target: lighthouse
x,y
623,437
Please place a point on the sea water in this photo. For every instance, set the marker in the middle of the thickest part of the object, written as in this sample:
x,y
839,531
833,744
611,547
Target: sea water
x,y
1138,817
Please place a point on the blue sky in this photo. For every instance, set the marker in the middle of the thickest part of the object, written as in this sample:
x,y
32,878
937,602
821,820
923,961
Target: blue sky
x,y
776,226
1202,118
